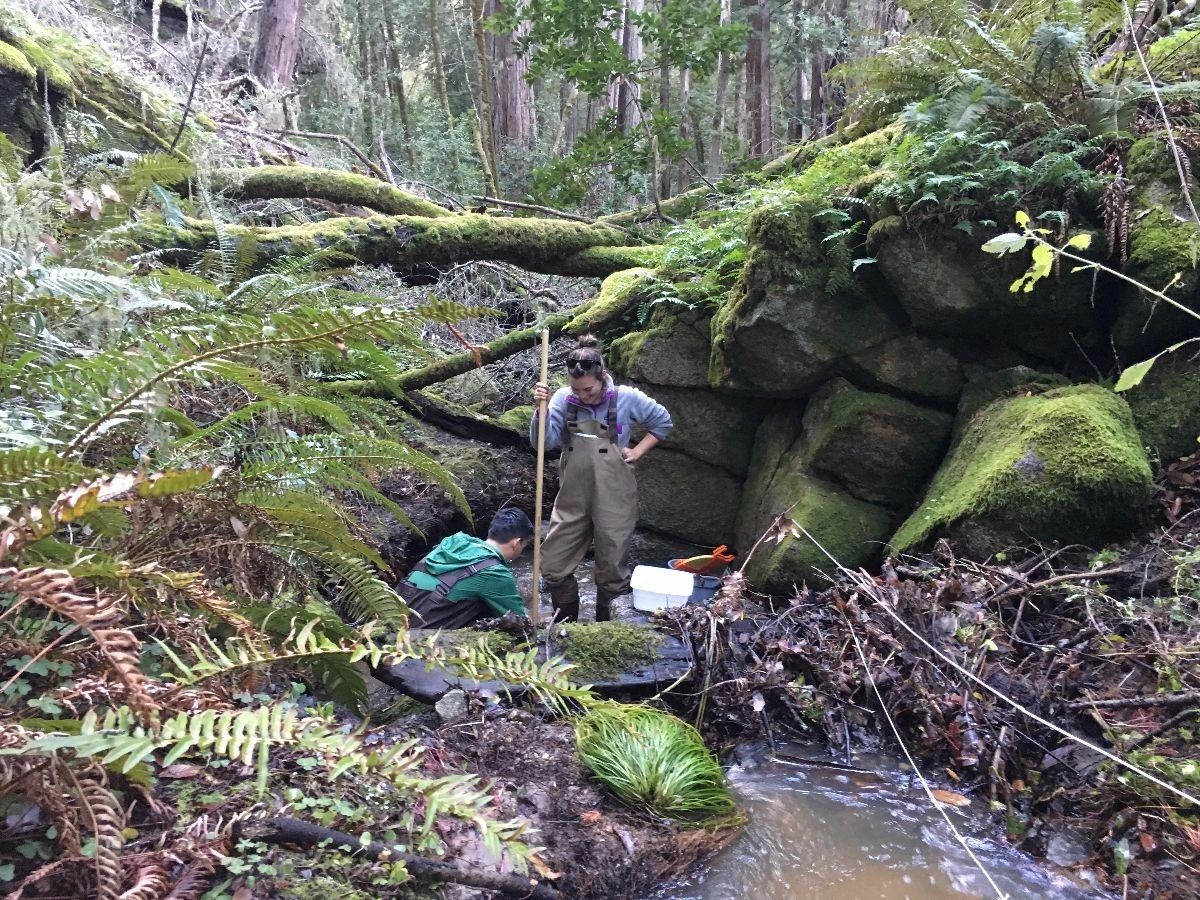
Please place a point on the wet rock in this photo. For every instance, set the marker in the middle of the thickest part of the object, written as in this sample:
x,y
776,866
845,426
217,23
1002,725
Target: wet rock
x,y
1066,465
685,498
1166,405
799,312
781,480
674,351
880,448
711,427
452,708
948,286
1066,848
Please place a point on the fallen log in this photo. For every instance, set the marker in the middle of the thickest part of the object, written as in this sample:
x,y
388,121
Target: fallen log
x,y
613,303
286,830
307,182
408,243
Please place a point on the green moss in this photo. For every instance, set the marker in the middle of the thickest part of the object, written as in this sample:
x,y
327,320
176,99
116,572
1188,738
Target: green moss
x,y
517,418
47,66
1166,406
883,229
619,293
267,182
596,262
1066,465
13,60
603,650
1161,246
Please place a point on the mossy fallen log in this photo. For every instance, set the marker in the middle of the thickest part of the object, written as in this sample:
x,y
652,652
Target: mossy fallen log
x,y
616,299
409,243
308,182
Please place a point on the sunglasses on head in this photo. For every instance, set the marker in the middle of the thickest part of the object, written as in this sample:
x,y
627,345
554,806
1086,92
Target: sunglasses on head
x,y
579,367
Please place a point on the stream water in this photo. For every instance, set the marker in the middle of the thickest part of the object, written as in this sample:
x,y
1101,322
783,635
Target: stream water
x,y
817,833
826,834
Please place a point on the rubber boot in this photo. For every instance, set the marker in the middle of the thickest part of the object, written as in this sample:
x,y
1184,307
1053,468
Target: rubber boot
x,y
604,605
565,597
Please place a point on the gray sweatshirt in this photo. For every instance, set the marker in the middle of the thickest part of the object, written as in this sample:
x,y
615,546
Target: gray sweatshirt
x,y
633,408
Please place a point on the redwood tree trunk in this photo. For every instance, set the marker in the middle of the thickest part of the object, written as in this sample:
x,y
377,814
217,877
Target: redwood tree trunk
x,y
513,120
278,42
628,93
758,80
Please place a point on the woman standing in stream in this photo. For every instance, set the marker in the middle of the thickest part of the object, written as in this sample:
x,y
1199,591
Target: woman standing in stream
x,y
592,419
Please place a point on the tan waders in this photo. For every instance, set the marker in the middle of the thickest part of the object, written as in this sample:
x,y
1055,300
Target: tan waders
x,y
597,502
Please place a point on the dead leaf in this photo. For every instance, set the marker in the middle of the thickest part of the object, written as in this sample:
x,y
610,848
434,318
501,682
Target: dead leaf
x,y
1147,842
590,817
108,192
758,702
542,868
180,770
243,893
950,798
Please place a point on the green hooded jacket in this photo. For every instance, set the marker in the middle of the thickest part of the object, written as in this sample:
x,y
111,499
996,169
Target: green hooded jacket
x,y
495,585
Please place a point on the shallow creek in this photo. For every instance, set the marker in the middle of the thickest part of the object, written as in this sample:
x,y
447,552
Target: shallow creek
x,y
816,832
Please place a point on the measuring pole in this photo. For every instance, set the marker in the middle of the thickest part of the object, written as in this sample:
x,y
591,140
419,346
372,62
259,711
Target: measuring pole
x,y
535,600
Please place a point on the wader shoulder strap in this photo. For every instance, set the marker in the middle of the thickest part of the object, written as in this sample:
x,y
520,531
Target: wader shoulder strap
x,y
613,434
572,415
447,580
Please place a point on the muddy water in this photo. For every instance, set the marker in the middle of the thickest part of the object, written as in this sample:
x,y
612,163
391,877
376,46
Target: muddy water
x,y
817,833
826,834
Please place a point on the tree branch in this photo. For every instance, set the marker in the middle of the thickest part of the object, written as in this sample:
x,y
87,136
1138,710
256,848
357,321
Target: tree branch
x,y
286,830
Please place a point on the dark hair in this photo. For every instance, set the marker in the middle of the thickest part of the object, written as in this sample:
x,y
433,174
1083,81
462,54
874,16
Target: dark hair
x,y
508,524
585,357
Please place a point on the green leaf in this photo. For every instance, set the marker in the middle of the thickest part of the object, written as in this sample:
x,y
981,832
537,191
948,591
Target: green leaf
x,y
1133,375
1080,241
1022,218
1010,242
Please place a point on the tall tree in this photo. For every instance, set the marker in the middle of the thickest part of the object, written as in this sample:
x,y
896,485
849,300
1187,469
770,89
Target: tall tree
x,y
628,89
800,75
716,152
396,85
758,79
513,122
278,42
483,100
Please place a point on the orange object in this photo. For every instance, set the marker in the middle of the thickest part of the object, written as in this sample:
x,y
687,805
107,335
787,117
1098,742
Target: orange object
x,y
707,563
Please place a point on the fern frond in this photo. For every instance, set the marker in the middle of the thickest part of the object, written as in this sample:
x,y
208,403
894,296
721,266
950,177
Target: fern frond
x,y
106,820
100,616
35,473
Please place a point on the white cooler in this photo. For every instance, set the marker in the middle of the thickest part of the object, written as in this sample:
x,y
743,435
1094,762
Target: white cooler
x,y
655,588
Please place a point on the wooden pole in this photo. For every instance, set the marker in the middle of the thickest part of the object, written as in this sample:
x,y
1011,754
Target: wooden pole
x,y
535,600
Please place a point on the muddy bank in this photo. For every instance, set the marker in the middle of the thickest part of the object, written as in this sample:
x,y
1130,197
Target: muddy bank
x,y
1101,643
602,848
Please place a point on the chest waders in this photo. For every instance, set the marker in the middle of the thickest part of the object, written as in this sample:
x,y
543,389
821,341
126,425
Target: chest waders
x,y
596,503
434,610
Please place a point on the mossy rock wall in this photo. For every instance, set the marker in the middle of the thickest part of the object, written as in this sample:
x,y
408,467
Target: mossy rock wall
x,y
1166,405
1163,238
1065,466
881,449
688,499
949,287
673,351
782,481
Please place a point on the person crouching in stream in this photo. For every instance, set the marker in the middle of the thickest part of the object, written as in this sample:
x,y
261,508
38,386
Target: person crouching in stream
x,y
592,420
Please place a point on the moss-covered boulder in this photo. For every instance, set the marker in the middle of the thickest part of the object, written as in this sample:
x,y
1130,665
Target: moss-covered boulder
x,y
1010,381
912,365
1066,465
1166,406
688,499
948,286
673,351
780,481
799,311
712,427
879,448
1162,242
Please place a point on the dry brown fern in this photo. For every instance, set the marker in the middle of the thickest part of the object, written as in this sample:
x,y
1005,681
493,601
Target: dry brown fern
x,y
99,615
151,882
104,817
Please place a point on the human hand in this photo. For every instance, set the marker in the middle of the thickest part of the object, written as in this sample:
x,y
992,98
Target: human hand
x,y
541,393
631,455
